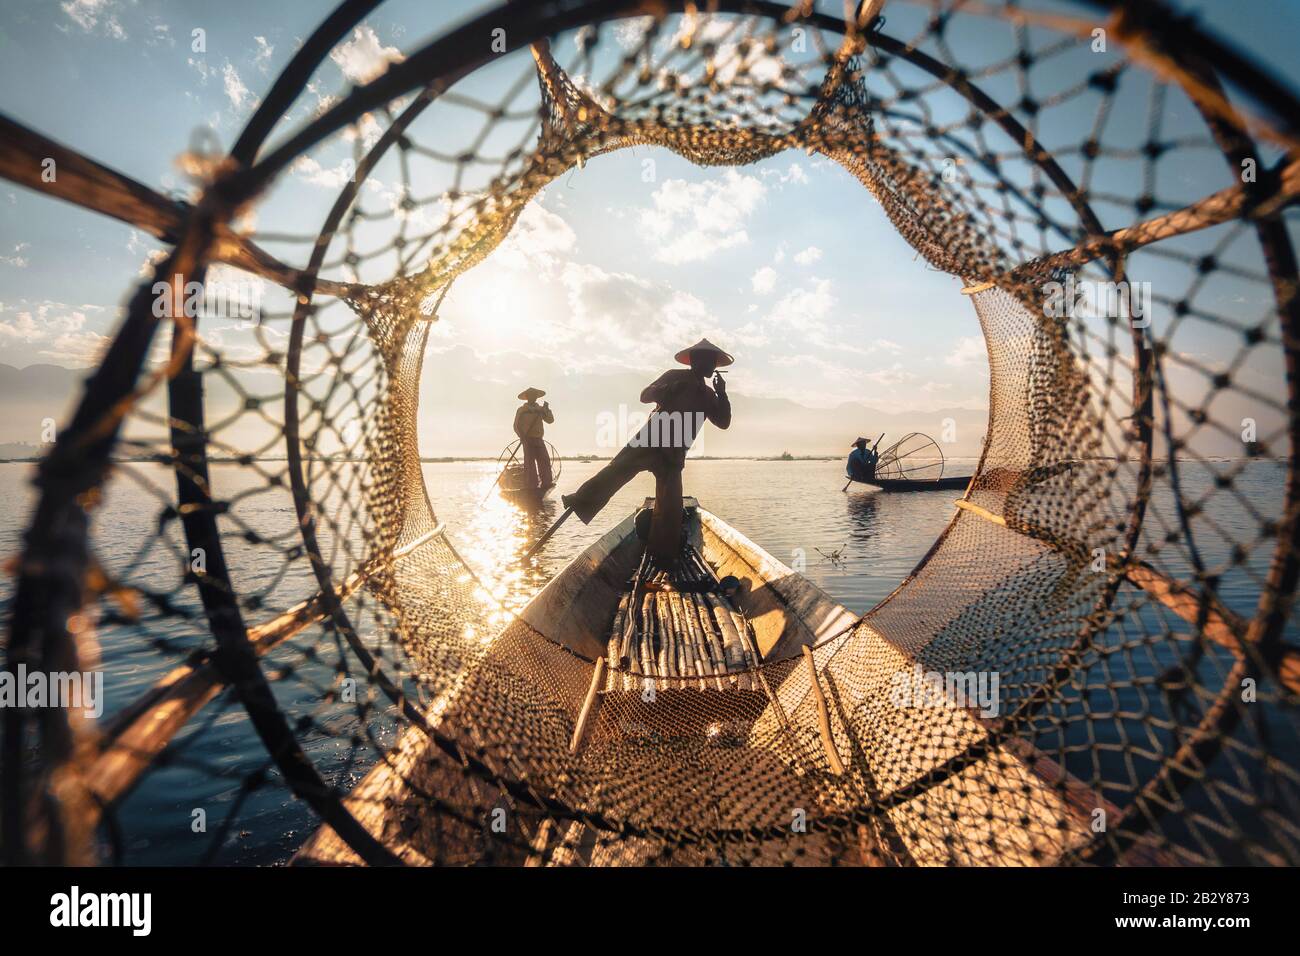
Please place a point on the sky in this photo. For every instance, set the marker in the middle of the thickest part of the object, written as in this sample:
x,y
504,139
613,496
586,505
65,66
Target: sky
x,y
787,263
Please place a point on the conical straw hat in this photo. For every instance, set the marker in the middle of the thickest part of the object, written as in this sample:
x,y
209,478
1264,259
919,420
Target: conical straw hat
x,y
684,356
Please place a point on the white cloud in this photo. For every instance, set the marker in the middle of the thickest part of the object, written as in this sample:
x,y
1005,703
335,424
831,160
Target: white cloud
x,y
627,311
825,372
263,55
235,89
89,14
137,242
200,67
689,222
363,58
895,374
323,100
970,350
751,335
78,348
151,259
794,173
764,280
311,171
537,242
160,33
56,331
808,256
805,310
21,328
615,300
366,129
17,260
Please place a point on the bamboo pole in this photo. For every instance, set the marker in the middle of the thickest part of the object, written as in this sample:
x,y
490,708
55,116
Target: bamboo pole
x,y
648,668
707,668
679,636
630,637
589,706
615,646
518,444
716,650
733,653
823,714
684,660
708,657
738,621
663,656
678,611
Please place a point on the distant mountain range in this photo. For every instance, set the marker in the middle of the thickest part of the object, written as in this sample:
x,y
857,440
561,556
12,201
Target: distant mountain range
x,y
30,395
467,409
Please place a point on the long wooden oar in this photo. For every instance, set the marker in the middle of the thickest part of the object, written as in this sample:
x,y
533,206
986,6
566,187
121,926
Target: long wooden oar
x,y
518,445
547,537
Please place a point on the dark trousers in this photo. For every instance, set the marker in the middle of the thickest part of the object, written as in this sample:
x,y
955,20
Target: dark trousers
x,y
537,463
666,465
860,472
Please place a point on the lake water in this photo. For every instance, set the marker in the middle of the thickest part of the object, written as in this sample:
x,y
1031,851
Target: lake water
x,y
795,510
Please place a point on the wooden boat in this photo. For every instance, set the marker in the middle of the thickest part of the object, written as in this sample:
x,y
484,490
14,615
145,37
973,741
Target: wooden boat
x,y
698,639
698,642
913,463
947,483
514,487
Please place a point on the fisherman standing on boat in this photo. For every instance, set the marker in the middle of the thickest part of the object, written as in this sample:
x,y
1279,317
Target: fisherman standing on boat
x,y
530,422
683,402
863,460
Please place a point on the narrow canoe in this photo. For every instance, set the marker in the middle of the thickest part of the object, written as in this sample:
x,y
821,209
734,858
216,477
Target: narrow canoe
x,y
526,497
513,486
949,483
782,610
600,716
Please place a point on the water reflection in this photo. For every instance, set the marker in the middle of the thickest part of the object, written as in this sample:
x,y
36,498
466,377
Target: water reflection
x,y
863,508
494,537
787,508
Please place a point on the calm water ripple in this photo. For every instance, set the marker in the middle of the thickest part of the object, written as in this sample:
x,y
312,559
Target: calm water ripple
x,y
795,510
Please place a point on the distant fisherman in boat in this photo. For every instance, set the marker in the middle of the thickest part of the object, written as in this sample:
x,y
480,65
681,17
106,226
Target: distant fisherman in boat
x,y
531,420
863,461
683,402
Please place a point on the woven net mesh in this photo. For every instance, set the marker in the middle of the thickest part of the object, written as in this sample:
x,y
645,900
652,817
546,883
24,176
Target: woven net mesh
x,y
296,576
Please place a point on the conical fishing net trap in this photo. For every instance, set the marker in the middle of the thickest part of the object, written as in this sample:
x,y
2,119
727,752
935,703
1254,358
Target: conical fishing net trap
x,y
1031,150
